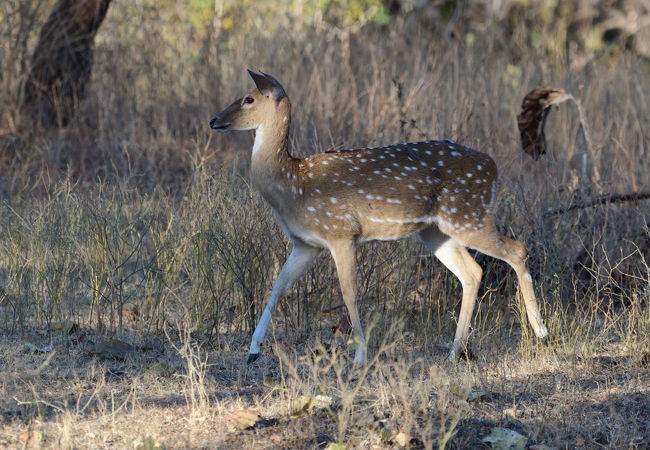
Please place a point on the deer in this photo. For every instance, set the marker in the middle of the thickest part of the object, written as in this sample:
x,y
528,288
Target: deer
x,y
439,190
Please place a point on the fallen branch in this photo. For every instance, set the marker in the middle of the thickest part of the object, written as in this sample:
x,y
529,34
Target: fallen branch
x,y
600,200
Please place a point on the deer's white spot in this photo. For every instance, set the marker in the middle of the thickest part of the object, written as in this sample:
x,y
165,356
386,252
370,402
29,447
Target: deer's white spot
x,y
424,219
333,199
363,160
361,191
377,172
370,197
393,200
453,210
423,164
326,227
285,119
329,213
428,152
411,187
311,209
317,191
469,174
479,167
455,153
441,153
325,163
441,163
398,178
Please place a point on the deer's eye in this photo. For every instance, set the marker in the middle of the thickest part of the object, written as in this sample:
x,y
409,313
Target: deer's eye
x,y
249,100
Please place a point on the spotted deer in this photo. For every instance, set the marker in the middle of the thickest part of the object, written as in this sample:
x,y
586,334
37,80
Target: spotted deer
x,y
440,190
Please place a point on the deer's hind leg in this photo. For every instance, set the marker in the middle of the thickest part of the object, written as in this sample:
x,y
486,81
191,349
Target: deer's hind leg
x,y
489,242
458,260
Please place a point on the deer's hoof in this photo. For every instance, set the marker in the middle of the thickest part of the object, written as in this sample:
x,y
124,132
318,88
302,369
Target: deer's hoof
x,y
252,357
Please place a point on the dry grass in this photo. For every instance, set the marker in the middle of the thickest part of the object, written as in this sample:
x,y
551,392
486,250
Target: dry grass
x,y
137,207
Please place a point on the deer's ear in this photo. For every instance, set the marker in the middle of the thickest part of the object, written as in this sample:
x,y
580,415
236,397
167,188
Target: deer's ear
x,y
267,85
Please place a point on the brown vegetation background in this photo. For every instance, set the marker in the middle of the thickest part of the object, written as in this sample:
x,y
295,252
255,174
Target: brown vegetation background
x,y
135,221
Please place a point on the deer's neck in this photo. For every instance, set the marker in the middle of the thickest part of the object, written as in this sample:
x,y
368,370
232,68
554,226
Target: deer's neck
x,y
273,170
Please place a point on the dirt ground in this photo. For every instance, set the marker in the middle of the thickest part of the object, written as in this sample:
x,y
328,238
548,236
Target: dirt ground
x,y
158,395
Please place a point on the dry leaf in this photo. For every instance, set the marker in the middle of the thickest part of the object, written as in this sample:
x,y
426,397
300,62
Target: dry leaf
x,y
531,120
244,418
304,403
506,439
402,439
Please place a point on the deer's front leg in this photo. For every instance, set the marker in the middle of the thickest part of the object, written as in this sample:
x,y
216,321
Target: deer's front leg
x,y
301,258
345,259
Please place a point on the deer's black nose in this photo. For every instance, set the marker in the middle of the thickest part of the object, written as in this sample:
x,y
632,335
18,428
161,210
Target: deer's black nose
x,y
213,122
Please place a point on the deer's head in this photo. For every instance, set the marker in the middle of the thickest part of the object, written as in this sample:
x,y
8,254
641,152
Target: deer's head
x,y
255,109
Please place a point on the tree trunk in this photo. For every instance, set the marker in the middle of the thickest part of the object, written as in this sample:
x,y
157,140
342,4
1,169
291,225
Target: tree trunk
x,y
62,62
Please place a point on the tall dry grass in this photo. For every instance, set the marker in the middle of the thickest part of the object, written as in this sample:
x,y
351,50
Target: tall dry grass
x,y
137,204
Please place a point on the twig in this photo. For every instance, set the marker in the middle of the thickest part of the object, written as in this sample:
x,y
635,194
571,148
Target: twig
x,y
584,144
600,200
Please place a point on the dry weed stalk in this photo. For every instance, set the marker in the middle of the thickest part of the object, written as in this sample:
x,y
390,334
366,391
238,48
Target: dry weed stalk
x,y
536,106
